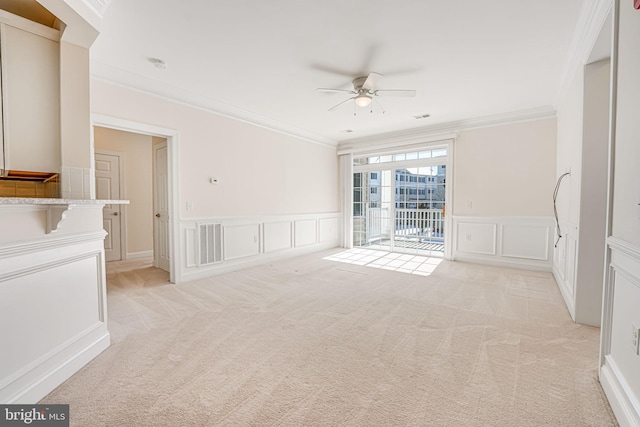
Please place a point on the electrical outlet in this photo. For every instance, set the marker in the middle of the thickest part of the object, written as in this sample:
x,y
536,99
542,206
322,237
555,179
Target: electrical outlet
x,y
636,339
469,205
468,236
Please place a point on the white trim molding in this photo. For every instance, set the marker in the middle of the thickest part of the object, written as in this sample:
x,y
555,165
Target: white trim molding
x,y
53,287
254,240
139,254
619,360
510,241
440,131
134,82
173,149
590,22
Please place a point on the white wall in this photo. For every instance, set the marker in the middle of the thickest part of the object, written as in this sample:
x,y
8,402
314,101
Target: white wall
x,y
260,171
620,361
263,177
505,170
52,281
503,183
77,175
137,149
626,197
593,194
583,130
582,150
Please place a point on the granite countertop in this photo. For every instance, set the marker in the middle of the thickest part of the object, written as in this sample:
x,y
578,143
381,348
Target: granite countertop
x,y
42,201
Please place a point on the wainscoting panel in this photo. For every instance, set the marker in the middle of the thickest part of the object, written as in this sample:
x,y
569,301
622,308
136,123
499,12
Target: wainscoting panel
x,y
305,232
254,240
528,242
277,236
49,289
620,361
241,241
522,242
476,238
52,302
564,263
328,229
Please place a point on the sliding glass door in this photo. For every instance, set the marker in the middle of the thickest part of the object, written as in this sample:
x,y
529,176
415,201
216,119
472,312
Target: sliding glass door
x,y
399,202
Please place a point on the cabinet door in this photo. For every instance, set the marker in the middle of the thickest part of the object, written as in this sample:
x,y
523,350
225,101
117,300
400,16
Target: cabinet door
x,y
30,100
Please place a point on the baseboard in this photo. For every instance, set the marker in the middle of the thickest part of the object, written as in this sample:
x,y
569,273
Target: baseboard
x,y
228,266
140,254
503,262
625,407
31,386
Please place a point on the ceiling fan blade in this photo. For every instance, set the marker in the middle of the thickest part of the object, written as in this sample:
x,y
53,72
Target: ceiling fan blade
x,y
339,104
333,70
399,92
371,81
322,89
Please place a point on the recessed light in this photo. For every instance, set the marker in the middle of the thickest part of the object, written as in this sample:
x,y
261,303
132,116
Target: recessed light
x,y
158,63
422,116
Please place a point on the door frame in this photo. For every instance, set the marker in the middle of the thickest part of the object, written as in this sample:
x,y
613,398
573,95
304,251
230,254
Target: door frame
x,y
122,217
172,136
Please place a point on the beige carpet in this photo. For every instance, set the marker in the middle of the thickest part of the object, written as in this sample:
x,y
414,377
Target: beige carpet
x,y
308,342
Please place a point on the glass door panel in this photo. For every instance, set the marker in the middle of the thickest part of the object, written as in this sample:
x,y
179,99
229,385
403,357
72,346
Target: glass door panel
x,y
419,210
372,209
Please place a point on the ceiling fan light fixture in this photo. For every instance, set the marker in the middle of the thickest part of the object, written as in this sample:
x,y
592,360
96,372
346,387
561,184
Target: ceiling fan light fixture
x,y
362,100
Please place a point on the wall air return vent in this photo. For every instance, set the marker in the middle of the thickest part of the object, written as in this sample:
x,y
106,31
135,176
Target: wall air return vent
x,y
210,243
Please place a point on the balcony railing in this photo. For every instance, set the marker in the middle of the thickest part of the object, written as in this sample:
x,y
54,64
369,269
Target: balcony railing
x,y
410,226
425,223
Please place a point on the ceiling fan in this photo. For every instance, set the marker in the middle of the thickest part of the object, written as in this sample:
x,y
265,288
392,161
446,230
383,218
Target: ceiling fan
x,y
364,91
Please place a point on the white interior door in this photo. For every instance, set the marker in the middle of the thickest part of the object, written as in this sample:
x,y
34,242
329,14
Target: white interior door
x,y
108,188
161,207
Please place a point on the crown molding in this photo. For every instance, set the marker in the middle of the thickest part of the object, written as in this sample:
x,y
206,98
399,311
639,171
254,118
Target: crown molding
x,y
98,5
131,81
443,130
593,15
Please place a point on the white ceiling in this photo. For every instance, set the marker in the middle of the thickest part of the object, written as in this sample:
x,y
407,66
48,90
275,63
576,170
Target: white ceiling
x,y
263,60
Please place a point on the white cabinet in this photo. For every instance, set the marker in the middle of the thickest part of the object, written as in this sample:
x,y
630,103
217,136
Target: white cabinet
x,y
30,66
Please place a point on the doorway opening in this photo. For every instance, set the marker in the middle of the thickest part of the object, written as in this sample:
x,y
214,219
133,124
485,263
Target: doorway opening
x,y
135,162
399,202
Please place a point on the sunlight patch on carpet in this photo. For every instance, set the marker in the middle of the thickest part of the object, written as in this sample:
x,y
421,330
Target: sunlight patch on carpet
x,y
403,263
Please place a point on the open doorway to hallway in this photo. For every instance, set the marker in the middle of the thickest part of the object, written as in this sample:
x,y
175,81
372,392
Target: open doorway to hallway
x,y
133,166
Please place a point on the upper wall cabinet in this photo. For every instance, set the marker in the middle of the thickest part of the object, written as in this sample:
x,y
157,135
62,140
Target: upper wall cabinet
x,y
30,67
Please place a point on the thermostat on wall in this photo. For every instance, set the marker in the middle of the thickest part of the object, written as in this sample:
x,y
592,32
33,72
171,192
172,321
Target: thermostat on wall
x,y
213,180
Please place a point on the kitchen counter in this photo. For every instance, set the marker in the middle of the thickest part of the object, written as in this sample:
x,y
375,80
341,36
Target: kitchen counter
x,y
43,201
